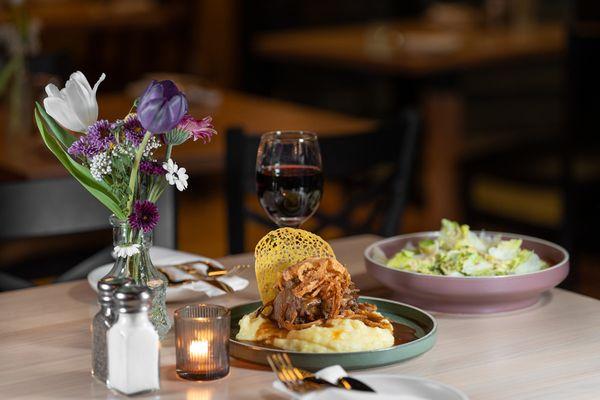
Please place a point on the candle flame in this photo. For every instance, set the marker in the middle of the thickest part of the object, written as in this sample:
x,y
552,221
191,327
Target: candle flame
x,y
199,347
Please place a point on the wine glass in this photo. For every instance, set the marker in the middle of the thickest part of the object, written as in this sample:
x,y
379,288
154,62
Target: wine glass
x,y
289,180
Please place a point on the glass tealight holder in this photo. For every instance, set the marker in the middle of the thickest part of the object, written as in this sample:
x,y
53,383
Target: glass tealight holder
x,y
202,341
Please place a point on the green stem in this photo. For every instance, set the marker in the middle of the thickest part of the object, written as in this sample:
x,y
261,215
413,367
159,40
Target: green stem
x,y
138,257
134,170
133,262
131,109
16,96
7,72
154,193
168,154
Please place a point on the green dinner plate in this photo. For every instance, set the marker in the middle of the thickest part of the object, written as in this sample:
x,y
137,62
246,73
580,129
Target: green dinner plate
x,y
423,323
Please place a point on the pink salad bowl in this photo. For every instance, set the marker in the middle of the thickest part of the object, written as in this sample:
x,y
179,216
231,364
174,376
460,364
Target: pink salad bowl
x,y
467,295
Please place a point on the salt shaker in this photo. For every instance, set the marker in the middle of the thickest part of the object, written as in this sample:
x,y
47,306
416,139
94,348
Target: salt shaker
x,y
103,320
133,344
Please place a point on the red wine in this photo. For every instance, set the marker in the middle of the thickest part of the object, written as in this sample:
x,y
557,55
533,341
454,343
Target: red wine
x,y
290,194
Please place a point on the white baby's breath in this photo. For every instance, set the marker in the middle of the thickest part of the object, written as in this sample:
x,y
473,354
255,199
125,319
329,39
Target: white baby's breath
x,y
100,166
125,149
152,145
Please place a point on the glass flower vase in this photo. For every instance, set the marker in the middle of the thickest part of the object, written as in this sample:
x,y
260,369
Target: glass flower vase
x,y
139,268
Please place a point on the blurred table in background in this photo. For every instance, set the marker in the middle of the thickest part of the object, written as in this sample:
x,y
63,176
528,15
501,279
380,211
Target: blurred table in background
x,y
431,55
410,48
100,14
26,157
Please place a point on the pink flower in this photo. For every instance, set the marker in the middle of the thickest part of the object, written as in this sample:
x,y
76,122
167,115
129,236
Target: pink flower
x,y
199,129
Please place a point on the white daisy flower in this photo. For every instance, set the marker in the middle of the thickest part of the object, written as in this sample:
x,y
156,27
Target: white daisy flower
x,y
127,250
175,175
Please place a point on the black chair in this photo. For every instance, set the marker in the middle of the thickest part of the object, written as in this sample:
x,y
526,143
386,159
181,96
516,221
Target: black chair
x,y
373,168
53,207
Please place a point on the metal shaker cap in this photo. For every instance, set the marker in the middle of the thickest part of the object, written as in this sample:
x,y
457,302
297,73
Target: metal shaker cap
x,y
108,285
132,299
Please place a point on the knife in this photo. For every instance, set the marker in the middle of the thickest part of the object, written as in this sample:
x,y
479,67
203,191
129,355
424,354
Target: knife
x,y
344,382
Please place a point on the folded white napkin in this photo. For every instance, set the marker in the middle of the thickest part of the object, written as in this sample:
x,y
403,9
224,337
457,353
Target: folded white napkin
x,y
162,256
332,374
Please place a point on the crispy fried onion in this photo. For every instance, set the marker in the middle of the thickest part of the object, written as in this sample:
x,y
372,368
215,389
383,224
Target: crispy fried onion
x,y
311,292
367,313
316,291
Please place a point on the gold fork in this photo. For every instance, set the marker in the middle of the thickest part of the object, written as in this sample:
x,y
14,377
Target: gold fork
x,y
212,271
302,377
215,272
210,280
291,377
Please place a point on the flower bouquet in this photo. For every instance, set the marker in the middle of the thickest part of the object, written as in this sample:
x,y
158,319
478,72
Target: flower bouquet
x,y
118,163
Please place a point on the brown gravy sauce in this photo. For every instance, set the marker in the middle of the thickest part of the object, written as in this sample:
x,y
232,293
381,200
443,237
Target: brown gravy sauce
x,y
269,331
403,333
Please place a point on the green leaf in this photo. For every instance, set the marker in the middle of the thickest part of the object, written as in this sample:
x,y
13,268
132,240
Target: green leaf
x,y
99,189
64,137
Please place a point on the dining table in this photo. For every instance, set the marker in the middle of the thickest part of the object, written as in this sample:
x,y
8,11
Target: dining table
x,y
414,47
95,15
547,351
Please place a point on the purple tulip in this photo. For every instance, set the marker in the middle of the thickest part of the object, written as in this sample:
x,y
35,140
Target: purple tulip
x,y
161,107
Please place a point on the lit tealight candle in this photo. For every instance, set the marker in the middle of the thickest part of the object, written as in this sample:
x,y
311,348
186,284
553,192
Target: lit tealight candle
x,y
202,336
199,349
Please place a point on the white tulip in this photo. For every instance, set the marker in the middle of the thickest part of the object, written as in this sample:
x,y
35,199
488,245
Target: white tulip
x,y
74,107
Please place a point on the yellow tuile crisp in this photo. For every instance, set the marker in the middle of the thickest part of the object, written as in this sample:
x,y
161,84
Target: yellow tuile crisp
x,y
280,249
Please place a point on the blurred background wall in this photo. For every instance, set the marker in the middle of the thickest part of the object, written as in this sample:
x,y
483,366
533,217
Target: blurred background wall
x,y
506,91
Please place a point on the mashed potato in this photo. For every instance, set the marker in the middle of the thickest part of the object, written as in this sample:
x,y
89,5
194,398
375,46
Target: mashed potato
x,y
341,335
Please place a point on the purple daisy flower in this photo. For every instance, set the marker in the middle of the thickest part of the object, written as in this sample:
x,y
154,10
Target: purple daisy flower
x,y
152,168
145,215
198,128
134,131
98,139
